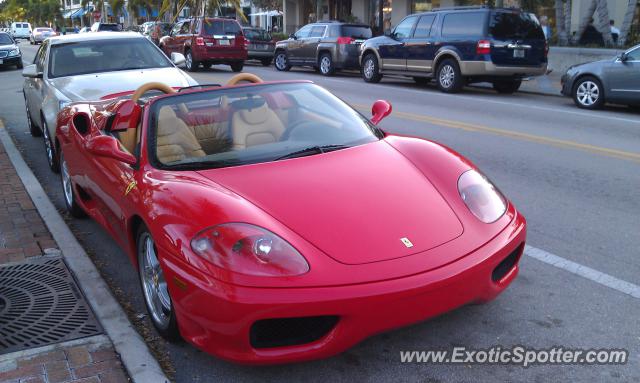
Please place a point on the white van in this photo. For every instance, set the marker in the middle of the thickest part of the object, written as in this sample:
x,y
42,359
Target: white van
x,y
20,30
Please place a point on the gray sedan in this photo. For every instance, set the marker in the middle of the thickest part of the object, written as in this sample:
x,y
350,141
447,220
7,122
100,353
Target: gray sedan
x,y
90,67
615,80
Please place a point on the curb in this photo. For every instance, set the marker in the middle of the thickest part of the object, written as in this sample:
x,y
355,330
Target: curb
x,y
136,357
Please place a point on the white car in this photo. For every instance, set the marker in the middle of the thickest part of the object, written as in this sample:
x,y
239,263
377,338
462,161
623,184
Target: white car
x,y
91,66
21,30
39,34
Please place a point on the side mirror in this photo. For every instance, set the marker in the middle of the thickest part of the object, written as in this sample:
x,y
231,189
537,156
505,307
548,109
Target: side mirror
x,y
31,71
107,146
380,110
293,36
177,58
623,56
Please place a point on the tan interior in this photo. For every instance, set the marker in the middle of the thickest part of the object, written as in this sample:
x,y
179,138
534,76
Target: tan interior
x,y
254,123
129,139
175,140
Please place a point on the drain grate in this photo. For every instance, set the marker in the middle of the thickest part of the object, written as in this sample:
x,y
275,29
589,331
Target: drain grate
x,y
41,304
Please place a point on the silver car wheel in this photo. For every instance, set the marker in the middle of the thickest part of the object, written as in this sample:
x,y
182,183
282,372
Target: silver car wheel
x,y
155,289
447,75
369,68
325,64
67,188
281,61
588,93
188,60
47,143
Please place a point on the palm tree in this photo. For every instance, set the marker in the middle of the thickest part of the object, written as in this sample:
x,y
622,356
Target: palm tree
x,y
560,22
602,21
116,7
626,23
567,20
200,7
586,18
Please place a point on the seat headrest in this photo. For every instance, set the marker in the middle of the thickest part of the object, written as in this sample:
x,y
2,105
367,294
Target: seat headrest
x,y
248,103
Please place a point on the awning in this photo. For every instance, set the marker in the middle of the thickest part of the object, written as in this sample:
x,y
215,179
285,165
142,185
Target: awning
x,y
267,13
68,13
143,12
122,13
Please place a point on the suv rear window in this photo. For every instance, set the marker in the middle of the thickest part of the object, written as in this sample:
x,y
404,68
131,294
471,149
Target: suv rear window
x,y
219,27
463,24
508,25
356,31
109,27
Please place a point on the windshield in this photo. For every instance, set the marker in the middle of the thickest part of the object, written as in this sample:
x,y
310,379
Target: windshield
x,y
508,26
44,30
253,124
257,34
5,39
96,56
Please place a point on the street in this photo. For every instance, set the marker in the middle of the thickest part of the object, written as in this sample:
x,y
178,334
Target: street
x,y
574,174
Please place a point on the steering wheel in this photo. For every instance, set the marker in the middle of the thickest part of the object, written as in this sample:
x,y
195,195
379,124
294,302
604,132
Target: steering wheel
x,y
252,78
144,88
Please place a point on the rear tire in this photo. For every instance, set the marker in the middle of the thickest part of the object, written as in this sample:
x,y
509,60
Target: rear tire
x,y
68,193
588,93
371,69
50,149
448,76
507,86
237,67
325,63
265,62
154,287
190,63
19,65
281,61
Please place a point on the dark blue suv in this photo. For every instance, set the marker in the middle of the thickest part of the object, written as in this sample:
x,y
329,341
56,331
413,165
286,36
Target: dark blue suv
x,y
459,46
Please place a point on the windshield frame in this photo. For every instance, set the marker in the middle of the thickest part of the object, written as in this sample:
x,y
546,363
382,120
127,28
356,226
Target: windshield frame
x,y
151,124
143,40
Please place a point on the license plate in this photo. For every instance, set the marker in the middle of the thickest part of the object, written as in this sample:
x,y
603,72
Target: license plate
x,y
518,53
224,42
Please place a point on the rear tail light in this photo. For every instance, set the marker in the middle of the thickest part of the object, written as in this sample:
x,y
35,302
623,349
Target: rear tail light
x,y
346,40
250,250
199,41
483,47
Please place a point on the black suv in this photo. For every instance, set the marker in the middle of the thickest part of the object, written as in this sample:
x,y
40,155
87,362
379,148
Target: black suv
x,y
459,46
325,45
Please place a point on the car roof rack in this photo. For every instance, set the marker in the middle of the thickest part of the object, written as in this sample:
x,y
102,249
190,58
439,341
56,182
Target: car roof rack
x,y
462,8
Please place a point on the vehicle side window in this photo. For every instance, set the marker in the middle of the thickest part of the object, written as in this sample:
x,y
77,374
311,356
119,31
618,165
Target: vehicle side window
x,y
176,29
184,30
463,24
39,54
42,57
403,30
304,32
423,29
633,55
317,31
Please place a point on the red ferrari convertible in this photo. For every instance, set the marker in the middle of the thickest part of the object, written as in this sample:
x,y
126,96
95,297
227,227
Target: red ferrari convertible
x,y
272,223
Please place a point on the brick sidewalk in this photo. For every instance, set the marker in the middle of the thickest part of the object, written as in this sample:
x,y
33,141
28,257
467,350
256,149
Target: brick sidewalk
x,y
23,235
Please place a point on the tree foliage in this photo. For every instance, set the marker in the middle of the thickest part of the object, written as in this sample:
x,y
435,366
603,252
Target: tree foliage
x,y
37,12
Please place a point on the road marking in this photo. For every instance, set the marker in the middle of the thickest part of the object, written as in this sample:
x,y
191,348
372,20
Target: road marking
x,y
620,154
583,271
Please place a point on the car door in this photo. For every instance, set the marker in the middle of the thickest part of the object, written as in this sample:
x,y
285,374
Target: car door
x,y
310,44
29,85
37,86
295,46
420,47
623,78
394,52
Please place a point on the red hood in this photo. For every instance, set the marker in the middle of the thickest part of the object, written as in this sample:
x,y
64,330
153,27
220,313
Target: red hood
x,y
353,204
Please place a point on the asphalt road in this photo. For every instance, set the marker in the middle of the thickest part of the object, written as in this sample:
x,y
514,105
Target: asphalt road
x,y
574,174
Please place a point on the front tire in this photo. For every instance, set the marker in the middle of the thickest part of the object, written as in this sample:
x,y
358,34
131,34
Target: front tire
x,y
67,190
371,69
190,63
154,287
507,86
281,61
19,65
325,63
52,157
237,67
588,93
449,77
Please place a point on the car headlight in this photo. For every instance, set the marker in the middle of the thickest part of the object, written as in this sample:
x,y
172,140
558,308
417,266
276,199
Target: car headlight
x,y
14,52
248,249
482,198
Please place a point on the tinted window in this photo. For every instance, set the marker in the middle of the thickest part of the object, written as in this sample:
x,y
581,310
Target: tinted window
x,y
304,32
356,32
634,55
109,27
185,28
5,39
317,31
424,26
257,34
104,56
463,24
506,26
403,30
231,28
176,29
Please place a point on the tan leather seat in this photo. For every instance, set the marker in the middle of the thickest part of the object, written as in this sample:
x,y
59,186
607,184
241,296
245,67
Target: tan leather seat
x,y
129,139
175,140
254,123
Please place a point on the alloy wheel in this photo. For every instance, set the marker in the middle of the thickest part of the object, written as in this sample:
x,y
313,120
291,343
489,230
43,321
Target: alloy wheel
x,y
281,61
154,284
189,61
47,144
325,64
588,93
369,68
447,75
67,188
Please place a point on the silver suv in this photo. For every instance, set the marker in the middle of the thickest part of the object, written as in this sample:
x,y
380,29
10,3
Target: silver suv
x,y
327,46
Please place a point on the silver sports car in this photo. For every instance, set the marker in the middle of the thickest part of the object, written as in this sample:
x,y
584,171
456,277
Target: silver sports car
x,y
90,67
615,80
